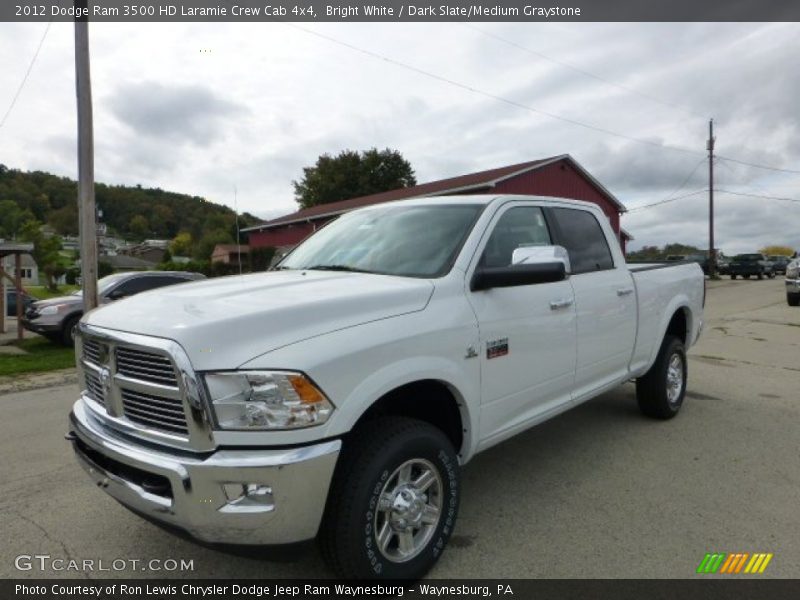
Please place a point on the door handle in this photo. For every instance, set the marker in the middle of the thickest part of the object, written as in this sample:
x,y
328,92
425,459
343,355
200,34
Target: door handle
x,y
559,304
624,291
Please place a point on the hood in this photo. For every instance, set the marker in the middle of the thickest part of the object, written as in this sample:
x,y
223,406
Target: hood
x,y
225,322
76,300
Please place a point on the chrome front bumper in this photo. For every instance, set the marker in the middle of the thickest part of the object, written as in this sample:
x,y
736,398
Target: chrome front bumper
x,y
194,493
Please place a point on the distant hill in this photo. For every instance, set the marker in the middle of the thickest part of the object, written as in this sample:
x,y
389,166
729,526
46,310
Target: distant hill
x,y
131,212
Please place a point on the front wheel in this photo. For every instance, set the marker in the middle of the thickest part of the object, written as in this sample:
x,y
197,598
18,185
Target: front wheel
x,y
733,276
393,502
69,331
793,299
661,390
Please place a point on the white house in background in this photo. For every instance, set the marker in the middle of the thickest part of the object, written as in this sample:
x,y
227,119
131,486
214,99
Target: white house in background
x,y
28,269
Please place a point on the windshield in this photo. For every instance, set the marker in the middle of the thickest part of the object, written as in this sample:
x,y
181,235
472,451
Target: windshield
x,y
104,284
747,257
411,241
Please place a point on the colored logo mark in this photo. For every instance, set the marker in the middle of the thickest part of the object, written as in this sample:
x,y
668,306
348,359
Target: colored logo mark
x,y
734,563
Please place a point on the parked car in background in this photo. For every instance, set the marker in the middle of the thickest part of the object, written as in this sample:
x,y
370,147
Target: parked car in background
x,y
793,282
11,302
700,259
779,264
56,318
750,265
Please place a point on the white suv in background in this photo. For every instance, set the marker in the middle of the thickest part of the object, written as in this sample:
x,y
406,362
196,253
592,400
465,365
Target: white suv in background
x,y
793,282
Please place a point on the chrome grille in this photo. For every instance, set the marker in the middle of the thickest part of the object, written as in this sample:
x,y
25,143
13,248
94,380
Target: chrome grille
x,y
94,387
93,351
146,366
154,411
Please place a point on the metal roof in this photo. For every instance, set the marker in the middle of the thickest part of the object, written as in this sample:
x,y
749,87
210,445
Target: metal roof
x,y
462,183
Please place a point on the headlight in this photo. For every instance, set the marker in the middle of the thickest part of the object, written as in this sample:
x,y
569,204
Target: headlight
x,y
266,400
53,309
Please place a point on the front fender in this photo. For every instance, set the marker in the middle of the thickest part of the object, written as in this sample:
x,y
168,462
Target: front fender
x,y
411,370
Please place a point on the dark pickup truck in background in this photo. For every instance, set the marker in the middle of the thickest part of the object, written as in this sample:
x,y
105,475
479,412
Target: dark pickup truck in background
x,y
747,265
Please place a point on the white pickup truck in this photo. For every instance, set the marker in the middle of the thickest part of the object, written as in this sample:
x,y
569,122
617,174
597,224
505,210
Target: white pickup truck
x,y
339,395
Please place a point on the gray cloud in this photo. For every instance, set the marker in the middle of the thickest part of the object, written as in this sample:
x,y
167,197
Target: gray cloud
x,y
289,97
182,113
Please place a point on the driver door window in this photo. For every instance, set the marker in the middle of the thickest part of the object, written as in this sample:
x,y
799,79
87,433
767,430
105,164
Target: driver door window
x,y
518,227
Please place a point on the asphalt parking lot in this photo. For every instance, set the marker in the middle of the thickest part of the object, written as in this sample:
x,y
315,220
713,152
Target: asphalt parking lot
x,y
597,492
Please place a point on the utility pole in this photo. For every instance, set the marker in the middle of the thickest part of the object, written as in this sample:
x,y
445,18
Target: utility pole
x,y
238,236
87,225
712,253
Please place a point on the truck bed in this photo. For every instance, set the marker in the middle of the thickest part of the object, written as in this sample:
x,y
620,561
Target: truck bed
x,y
661,288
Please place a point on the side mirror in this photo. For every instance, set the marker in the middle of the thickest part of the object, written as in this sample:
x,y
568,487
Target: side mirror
x,y
516,275
530,255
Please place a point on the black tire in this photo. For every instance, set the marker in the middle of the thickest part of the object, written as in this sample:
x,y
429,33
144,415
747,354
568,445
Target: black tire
x,y
746,276
760,276
733,276
68,333
368,466
653,390
793,299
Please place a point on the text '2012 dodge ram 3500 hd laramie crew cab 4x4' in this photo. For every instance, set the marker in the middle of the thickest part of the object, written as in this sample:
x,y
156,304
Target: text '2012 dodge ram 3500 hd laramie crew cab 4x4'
x,y
338,395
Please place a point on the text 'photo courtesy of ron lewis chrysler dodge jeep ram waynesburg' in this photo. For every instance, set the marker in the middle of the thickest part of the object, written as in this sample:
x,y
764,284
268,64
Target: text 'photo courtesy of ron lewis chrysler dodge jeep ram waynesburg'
x,y
337,396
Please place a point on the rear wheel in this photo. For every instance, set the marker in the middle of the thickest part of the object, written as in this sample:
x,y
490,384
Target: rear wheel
x,y
733,276
760,275
661,390
393,502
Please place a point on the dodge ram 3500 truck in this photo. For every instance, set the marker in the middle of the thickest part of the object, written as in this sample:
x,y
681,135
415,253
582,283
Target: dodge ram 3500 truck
x,y
339,395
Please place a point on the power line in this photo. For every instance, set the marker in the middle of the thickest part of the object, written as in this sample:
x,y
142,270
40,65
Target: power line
x,y
667,200
582,71
757,166
25,77
516,104
759,196
688,177
489,95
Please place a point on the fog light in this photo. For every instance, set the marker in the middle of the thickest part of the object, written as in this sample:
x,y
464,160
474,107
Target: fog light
x,y
248,497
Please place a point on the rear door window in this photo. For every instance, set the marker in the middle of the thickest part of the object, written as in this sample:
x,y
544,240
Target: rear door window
x,y
581,234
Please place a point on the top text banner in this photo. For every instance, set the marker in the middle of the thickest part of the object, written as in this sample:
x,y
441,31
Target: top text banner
x,y
398,10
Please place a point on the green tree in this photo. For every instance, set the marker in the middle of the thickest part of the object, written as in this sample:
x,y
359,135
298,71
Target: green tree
x,y
205,246
104,268
181,244
45,252
139,227
65,219
351,174
12,218
777,251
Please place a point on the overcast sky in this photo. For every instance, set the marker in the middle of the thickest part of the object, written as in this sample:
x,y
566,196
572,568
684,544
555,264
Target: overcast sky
x,y
200,109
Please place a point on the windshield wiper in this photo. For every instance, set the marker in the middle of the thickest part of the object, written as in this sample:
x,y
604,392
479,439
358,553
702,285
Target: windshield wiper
x,y
344,268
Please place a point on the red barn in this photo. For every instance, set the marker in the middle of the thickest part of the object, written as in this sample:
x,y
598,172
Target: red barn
x,y
559,176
